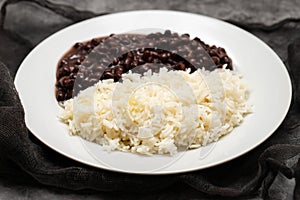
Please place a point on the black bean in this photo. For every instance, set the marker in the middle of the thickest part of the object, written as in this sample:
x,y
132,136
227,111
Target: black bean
x,y
186,35
212,52
149,59
229,66
108,75
78,62
87,47
141,61
197,39
66,81
215,59
171,61
179,66
167,33
88,61
74,69
78,45
69,94
63,62
60,95
118,73
135,63
115,61
130,54
73,75
119,69
221,50
152,36
65,71
94,42
220,66
225,59
154,54
175,35
127,61
164,57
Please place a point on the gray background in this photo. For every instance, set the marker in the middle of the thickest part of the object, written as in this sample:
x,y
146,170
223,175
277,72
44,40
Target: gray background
x,y
265,12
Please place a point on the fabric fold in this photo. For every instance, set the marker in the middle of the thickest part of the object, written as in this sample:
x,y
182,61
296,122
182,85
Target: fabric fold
x,y
19,147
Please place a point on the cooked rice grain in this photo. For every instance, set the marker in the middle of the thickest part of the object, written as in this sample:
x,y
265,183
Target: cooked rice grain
x,y
157,113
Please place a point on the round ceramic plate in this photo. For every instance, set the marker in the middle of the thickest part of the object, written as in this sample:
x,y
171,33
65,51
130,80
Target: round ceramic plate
x,y
268,79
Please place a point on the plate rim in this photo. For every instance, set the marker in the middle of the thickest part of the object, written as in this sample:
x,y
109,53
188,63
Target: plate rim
x,y
224,160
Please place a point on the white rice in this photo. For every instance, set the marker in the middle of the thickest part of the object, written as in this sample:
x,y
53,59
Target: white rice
x,y
158,113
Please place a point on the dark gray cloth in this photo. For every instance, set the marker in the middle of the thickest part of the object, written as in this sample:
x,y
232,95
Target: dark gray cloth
x,y
22,156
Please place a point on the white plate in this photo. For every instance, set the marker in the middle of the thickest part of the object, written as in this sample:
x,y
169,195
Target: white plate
x,y
267,76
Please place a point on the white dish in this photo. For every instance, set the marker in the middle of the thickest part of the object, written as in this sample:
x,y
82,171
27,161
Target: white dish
x,y
267,76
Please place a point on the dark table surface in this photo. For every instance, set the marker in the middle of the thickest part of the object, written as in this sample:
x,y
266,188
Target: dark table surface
x,y
266,12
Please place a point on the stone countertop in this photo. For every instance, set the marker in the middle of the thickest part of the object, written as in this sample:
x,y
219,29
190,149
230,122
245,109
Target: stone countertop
x,y
265,12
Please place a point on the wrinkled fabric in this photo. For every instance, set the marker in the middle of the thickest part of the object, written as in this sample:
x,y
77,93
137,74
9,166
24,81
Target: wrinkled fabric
x,y
254,174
